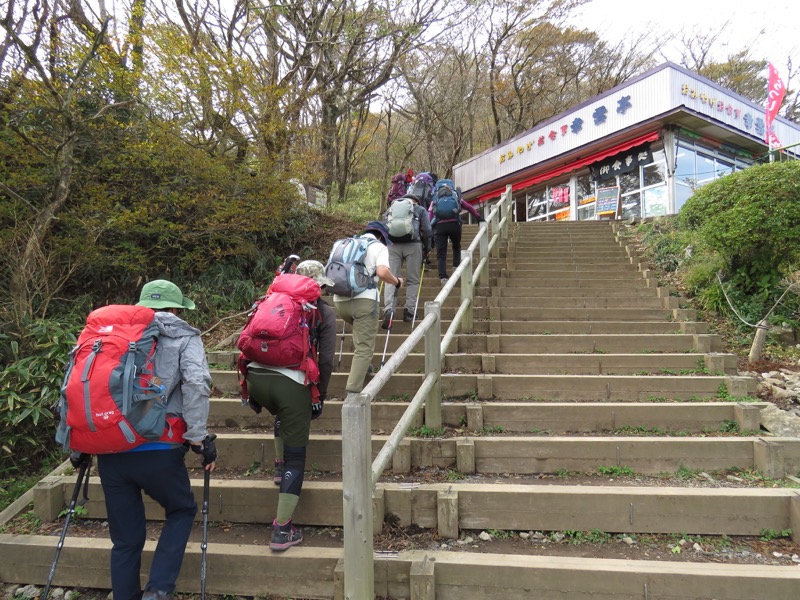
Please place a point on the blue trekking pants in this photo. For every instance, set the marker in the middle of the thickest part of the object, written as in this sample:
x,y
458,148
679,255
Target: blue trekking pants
x,y
162,475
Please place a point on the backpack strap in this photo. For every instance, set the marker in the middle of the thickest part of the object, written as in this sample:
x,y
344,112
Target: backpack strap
x,y
241,368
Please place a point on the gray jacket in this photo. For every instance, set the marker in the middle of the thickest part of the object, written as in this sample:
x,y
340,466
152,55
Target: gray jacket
x,y
181,364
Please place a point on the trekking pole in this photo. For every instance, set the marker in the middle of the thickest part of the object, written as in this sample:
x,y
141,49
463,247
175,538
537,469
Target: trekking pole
x,y
419,290
83,472
204,542
341,347
391,322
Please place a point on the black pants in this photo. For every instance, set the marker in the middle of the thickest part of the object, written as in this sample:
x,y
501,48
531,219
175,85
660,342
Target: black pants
x,y
450,230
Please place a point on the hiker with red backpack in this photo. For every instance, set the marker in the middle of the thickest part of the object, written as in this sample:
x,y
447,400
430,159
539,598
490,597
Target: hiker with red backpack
x,y
445,214
287,351
136,394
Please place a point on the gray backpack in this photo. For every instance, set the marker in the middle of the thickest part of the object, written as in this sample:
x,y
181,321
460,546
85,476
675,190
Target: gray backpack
x,y
402,223
346,266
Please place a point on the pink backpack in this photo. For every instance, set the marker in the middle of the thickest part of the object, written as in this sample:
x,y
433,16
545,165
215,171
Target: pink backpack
x,y
277,334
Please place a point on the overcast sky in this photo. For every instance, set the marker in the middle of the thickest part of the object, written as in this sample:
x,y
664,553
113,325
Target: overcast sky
x,y
774,35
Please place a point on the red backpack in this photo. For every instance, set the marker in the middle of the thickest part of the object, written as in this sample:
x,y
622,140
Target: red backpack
x,y
111,399
277,334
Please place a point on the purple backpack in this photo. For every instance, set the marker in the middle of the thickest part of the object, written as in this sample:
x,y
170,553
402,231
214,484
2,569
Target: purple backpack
x,y
398,188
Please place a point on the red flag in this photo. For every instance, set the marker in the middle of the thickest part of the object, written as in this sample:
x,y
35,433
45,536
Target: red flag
x,y
775,93
773,140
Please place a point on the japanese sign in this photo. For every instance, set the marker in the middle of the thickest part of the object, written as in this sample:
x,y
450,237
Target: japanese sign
x,y
625,162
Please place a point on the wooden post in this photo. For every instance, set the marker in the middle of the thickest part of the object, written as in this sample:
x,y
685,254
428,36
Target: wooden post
x,y
483,277
496,233
359,572
507,204
422,580
467,292
433,364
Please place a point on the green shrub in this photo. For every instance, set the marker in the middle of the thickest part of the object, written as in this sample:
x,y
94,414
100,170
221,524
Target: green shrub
x,y
751,218
362,204
665,244
34,362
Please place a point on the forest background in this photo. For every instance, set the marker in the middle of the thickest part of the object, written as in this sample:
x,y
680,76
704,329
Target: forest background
x,y
159,138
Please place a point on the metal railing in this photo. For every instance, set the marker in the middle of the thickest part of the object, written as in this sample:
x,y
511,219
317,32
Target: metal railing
x,y
359,475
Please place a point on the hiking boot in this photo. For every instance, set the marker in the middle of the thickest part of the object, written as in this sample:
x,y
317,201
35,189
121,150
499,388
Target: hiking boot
x,y
280,469
387,317
284,536
408,315
156,595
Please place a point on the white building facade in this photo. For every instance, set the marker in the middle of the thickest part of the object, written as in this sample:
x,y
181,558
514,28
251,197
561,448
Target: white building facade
x,y
640,149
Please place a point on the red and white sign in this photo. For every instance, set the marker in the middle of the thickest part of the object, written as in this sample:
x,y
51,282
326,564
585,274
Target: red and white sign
x,y
775,93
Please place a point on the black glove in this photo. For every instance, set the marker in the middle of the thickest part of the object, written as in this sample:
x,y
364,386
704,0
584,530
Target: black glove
x,y
78,459
316,408
257,408
207,449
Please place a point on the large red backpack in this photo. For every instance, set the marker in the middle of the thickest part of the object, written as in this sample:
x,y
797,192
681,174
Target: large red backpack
x,y
277,334
111,399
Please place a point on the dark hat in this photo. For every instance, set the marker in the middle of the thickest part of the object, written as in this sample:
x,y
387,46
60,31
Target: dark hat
x,y
379,227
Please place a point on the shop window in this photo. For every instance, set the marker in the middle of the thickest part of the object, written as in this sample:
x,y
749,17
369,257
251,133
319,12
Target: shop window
x,y
629,182
706,169
723,168
654,174
682,193
655,201
537,205
586,212
684,167
631,205
585,197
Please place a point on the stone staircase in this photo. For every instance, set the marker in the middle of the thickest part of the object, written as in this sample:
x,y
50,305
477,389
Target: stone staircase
x,y
574,345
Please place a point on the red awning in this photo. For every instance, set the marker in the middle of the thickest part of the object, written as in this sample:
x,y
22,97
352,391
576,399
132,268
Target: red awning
x,y
621,147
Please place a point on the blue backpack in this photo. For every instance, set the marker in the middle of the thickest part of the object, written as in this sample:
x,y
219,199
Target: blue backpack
x,y
446,201
346,266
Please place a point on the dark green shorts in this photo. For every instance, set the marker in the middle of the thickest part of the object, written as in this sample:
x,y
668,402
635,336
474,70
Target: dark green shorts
x,y
286,399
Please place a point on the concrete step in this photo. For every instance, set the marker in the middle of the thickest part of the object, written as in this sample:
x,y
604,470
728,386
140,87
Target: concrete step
x,y
572,267
317,572
537,454
609,291
538,344
571,283
557,364
585,301
617,343
506,505
587,275
526,417
584,388
574,314
583,256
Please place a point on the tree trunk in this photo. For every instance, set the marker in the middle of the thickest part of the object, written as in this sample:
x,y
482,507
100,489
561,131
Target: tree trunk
x,y
26,270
